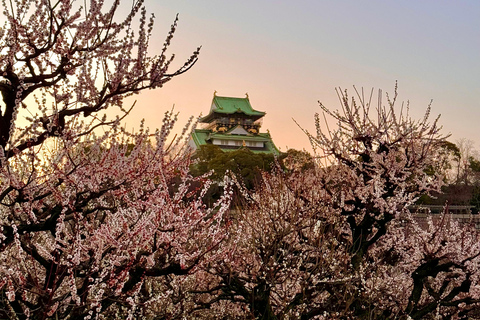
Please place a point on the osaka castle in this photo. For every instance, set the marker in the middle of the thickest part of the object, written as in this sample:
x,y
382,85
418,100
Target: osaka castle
x,y
232,124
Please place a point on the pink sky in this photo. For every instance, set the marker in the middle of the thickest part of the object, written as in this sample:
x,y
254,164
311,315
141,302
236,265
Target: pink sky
x,y
289,54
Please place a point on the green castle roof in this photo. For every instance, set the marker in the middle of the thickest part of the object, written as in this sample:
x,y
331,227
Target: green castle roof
x,y
202,136
228,105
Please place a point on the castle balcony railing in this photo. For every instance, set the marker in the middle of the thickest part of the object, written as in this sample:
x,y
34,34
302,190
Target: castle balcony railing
x,y
228,123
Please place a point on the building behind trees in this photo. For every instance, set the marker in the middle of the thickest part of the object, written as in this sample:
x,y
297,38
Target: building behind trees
x,y
231,124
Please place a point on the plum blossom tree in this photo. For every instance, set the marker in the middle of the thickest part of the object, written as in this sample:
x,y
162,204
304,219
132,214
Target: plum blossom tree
x,y
92,226
386,158
73,59
425,272
87,228
289,251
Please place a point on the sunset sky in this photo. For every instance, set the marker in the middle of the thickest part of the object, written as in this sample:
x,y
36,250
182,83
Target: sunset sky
x,y
290,54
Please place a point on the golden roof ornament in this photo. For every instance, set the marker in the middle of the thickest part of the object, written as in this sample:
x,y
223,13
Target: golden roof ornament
x,y
246,95
215,93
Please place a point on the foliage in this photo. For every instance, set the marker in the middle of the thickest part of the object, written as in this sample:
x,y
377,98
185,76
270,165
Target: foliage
x,y
298,160
466,171
449,156
460,169
242,162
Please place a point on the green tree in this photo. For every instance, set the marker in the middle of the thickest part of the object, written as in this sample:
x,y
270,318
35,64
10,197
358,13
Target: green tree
x,y
244,163
298,160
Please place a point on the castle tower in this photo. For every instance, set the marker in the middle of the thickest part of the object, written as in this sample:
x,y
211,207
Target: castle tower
x,y
231,124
